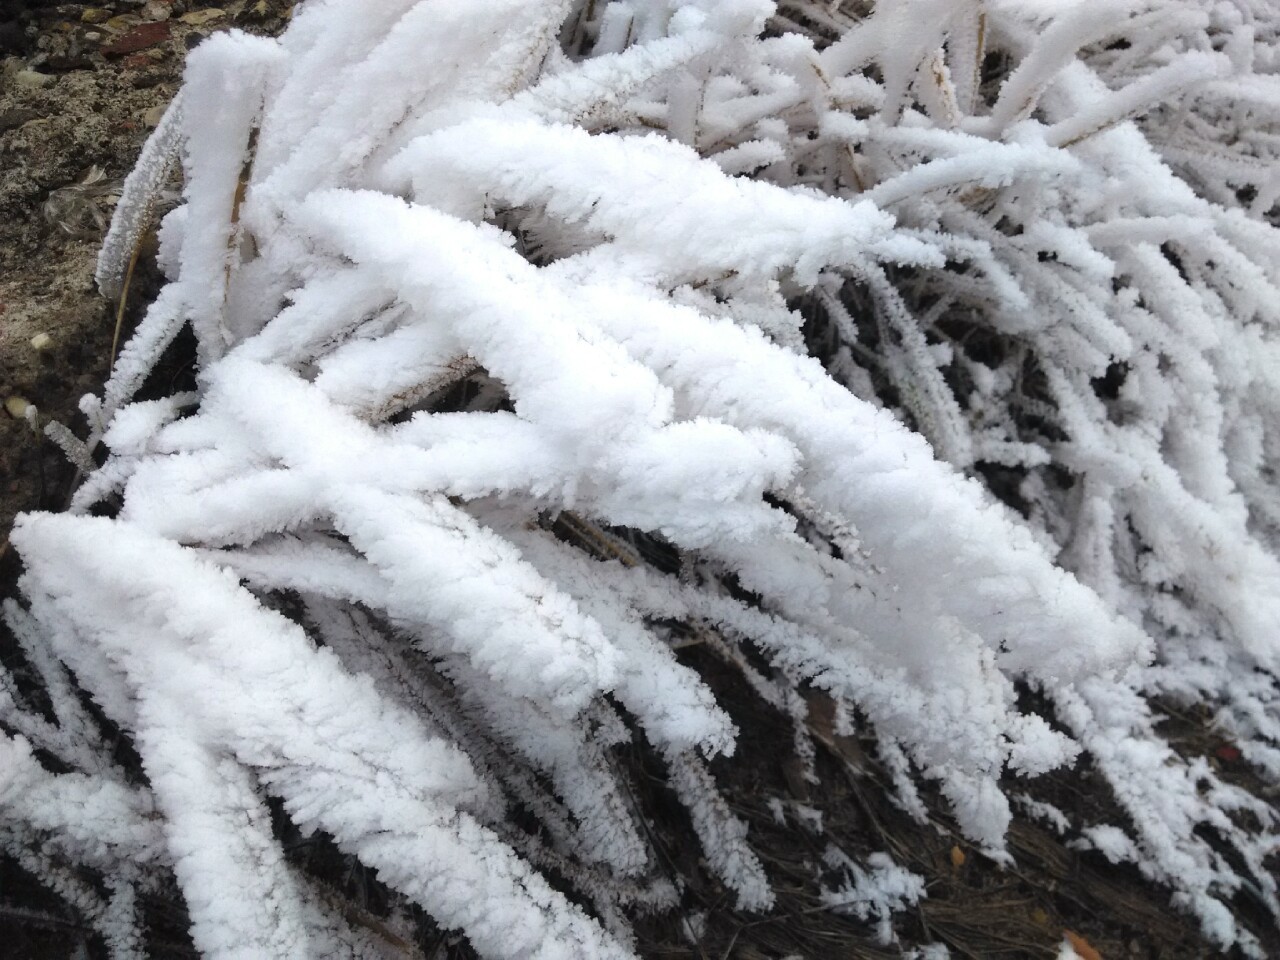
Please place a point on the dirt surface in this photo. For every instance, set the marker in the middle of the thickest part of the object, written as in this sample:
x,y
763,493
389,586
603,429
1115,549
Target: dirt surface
x,y
81,87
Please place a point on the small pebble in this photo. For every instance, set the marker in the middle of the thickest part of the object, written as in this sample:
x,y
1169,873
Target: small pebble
x,y
16,407
42,341
198,17
16,117
31,79
139,38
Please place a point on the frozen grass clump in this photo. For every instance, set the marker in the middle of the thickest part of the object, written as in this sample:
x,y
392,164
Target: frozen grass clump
x,y
920,356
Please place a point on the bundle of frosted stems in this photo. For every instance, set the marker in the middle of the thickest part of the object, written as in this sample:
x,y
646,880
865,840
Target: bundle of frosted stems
x,y
879,354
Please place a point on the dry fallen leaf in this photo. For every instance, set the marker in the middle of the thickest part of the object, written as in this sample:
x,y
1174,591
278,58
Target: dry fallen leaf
x,y
1083,948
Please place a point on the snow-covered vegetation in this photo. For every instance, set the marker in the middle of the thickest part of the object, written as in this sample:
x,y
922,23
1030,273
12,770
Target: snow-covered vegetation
x,y
920,355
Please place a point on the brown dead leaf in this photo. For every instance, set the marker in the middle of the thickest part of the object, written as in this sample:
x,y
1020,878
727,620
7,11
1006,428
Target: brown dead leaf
x,y
1083,948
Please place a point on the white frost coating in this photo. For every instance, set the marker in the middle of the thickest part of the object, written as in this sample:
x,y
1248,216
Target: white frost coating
x,y
670,700
953,535
313,140
872,892
1189,70
996,166
141,192
487,600
540,341
243,902
94,814
1112,842
722,834
223,81
658,201
329,762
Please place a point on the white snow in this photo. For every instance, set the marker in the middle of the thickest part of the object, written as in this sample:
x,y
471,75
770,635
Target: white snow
x,y
537,338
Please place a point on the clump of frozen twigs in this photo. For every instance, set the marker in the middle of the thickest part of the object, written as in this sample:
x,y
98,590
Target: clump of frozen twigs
x,y
917,354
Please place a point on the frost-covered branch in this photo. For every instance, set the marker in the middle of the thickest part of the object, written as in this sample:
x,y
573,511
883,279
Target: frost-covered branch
x,y
922,357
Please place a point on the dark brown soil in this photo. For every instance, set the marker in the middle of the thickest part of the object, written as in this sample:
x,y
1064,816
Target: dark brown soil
x,y
81,86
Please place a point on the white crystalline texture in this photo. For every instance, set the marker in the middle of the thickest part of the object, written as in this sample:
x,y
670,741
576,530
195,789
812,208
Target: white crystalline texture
x,y
537,340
